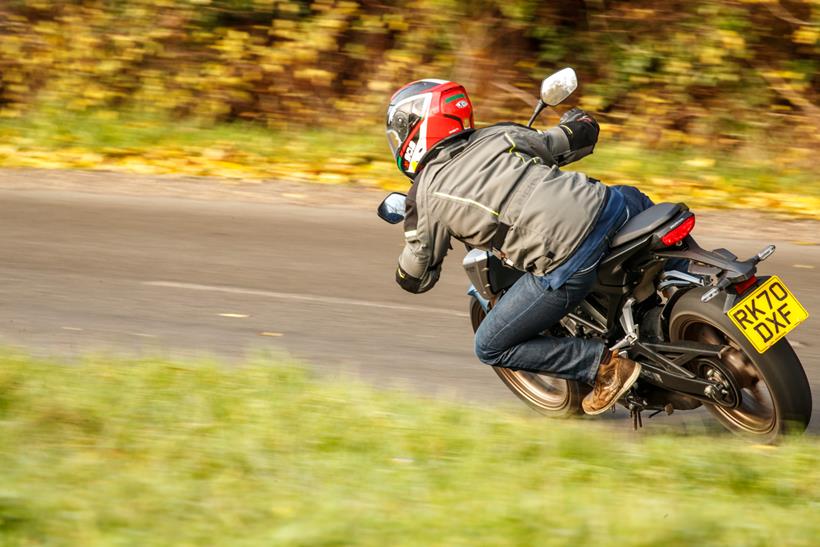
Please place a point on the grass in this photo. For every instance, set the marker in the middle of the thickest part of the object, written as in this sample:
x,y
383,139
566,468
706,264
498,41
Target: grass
x,y
150,452
357,155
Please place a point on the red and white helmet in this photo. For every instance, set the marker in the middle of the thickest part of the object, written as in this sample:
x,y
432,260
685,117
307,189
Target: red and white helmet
x,y
423,113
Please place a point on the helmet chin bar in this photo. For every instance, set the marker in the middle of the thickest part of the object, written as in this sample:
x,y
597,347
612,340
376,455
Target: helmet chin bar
x,y
414,149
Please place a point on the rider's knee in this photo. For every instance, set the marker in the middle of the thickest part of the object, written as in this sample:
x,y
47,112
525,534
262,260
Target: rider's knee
x,y
485,353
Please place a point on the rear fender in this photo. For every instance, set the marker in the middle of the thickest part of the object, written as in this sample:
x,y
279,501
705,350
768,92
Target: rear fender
x,y
666,313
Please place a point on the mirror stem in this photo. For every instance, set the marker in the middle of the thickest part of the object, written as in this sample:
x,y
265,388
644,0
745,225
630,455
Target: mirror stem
x,y
538,108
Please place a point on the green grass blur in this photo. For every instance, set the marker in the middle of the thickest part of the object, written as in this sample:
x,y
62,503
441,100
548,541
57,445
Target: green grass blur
x,y
115,452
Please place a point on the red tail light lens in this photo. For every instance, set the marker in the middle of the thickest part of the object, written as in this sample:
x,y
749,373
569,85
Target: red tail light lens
x,y
744,286
679,232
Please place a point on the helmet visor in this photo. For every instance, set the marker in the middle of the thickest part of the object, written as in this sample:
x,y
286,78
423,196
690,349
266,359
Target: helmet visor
x,y
402,118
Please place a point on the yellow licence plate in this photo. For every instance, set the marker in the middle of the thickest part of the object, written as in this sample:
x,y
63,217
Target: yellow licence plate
x,y
767,314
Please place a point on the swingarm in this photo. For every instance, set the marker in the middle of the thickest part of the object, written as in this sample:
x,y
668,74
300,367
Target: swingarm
x,y
663,366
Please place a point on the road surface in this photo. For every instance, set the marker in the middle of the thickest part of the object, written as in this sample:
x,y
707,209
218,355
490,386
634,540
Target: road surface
x,y
95,268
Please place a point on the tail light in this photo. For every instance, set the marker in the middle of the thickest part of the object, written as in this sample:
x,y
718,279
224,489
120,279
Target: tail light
x,y
679,232
744,286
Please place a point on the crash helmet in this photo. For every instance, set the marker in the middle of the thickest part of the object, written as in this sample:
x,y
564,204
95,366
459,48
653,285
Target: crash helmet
x,y
422,114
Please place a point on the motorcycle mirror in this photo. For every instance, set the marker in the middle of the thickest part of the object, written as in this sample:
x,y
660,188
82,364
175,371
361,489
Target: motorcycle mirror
x,y
556,88
392,208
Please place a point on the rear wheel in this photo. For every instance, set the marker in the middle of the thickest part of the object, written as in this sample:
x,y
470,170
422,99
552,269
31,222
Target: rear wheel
x,y
554,397
771,392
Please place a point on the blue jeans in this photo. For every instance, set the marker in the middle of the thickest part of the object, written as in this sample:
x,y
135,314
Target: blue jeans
x,y
636,201
509,335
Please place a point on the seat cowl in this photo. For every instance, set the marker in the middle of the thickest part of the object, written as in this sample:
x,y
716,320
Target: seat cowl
x,y
647,221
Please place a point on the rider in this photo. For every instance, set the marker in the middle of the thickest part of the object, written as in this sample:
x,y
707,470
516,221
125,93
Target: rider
x,y
499,188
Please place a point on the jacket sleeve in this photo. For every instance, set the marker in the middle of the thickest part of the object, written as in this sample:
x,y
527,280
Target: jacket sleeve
x,y
426,244
572,140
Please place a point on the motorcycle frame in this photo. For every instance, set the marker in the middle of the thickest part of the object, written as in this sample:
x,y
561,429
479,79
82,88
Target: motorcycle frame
x,y
663,363
627,276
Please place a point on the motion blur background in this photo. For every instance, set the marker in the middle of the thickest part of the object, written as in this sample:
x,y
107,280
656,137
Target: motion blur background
x,y
187,183
723,94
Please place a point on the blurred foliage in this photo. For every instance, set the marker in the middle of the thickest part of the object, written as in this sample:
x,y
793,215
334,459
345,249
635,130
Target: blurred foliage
x,y
691,72
727,88
112,452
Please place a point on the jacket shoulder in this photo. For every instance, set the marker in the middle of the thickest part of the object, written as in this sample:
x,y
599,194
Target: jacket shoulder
x,y
525,139
512,130
505,127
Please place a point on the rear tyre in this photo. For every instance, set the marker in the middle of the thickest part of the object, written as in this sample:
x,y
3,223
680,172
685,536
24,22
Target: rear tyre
x,y
553,397
774,393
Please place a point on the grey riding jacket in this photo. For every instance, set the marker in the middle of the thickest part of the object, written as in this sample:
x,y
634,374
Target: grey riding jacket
x,y
499,189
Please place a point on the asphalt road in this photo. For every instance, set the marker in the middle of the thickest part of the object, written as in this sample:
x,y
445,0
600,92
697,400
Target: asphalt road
x,y
234,277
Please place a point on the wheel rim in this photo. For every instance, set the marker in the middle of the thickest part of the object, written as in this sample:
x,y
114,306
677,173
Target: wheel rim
x,y
755,411
544,391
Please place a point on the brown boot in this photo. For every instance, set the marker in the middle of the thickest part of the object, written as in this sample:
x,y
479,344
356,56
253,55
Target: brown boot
x,y
615,376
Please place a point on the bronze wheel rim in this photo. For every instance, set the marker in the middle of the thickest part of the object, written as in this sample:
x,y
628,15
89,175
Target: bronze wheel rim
x,y
755,411
543,391
546,392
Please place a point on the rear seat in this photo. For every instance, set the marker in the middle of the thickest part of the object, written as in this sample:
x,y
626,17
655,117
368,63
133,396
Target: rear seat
x,y
645,222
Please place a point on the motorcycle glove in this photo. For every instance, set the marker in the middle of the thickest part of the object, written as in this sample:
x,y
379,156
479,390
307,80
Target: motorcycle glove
x,y
581,130
416,285
574,137
574,114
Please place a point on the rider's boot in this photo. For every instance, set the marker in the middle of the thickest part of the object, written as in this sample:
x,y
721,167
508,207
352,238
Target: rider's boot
x,y
615,376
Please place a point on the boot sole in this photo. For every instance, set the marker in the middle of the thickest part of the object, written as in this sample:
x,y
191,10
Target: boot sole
x,y
628,384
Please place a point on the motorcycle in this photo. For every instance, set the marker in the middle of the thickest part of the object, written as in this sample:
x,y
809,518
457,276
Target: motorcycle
x,y
712,335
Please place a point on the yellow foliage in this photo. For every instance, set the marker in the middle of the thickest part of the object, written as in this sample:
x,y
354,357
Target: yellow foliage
x,y
806,35
701,162
732,40
664,75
